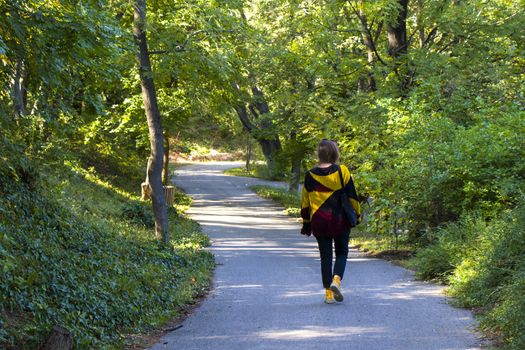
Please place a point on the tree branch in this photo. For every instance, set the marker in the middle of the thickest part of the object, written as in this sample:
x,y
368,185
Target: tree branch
x,y
367,31
378,31
430,36
160,52
180,47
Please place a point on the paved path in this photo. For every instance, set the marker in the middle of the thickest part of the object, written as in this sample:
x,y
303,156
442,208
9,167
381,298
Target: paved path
x,y
268,294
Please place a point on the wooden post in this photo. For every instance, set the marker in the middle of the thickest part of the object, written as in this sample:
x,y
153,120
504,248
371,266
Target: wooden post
x,y
58,339
169,192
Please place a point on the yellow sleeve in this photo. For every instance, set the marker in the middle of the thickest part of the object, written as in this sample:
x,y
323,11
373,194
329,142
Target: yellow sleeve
x,y
352,193
305,205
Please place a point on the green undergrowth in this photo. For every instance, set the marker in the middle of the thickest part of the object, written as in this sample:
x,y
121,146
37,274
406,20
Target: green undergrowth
x,y
201,152
290,201
483,261
377,244
78,252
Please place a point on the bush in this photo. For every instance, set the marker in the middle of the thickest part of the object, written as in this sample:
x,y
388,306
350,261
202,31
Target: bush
x,y
484,263
139,213
122,168
508,317
454,243
434,169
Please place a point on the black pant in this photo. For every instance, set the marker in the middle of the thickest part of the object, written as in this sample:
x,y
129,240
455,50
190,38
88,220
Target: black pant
x,y
341,254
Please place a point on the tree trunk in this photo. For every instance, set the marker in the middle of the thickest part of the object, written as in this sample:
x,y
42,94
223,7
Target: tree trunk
x,y
419,23
271,145
296,157
242,113
270,149
166,163
366,36
170,195
248,152
58,339
397,33
145,191
259,101
154,172
295,180
398,46
19,90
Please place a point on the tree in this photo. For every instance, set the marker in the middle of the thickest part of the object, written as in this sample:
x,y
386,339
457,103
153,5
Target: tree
x,y
259,125
155,161
397,31
249,101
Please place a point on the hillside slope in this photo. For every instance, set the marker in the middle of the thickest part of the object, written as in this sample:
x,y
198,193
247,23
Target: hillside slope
x,y
78,252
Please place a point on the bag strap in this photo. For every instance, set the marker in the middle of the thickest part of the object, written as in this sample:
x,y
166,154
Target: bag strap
x,y
341,178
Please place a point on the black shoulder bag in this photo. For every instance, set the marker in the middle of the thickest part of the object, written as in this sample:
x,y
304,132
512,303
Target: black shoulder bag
x,y
348,210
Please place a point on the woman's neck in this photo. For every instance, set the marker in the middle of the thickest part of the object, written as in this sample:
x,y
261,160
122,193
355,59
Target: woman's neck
x,y
324,165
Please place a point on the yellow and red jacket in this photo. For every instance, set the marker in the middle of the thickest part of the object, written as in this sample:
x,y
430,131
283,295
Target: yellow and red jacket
x,y
320,206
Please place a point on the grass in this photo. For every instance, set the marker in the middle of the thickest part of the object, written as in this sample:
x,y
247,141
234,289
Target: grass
x,y
240,171
79,252
382,246
259,171
290,201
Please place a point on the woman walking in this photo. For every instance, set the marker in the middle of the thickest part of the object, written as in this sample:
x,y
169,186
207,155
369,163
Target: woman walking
x,y
323,215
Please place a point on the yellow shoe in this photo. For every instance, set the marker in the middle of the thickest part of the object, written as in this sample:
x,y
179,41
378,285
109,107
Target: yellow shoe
x,y
336,288
329,298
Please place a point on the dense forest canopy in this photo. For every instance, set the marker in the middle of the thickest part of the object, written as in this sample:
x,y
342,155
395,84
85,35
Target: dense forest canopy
x,y
425,97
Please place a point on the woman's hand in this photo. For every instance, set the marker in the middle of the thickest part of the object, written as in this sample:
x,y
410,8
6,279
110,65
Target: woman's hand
x,y
306,229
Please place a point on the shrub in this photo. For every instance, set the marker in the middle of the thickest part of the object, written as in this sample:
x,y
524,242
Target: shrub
x,y
484,263
139,213
508,317
453,243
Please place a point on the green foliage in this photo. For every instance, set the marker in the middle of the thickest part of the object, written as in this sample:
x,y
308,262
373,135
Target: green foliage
x,y
483,263
381,244
433,163
439,261
139,214
120,169
507,317
182,201
241,171
69,257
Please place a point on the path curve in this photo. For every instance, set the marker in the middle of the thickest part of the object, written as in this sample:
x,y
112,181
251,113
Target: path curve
x,y
267,289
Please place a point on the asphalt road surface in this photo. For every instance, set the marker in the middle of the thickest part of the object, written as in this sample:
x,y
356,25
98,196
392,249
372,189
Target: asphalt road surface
x,y
268,294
